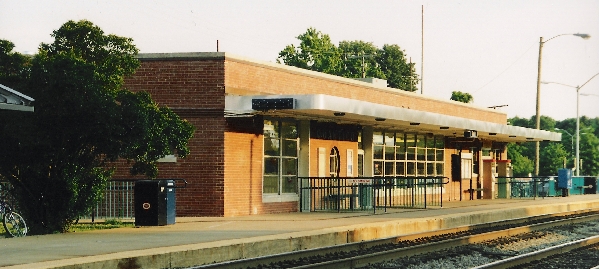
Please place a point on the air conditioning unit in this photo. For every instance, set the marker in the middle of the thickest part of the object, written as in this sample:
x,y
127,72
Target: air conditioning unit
x,y
470,134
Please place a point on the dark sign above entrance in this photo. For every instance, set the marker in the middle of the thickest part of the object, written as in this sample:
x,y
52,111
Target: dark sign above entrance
x,y
334,131
270,104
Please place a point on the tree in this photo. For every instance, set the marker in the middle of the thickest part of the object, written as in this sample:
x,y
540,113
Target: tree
x,y
59,158
399,73
14,67
521,165
359,60
316,52
589,154
463,97
352,59
553,157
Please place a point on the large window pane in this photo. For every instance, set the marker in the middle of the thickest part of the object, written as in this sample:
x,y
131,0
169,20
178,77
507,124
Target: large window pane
x,y
271,147
440,142
421,152
390,139
420,169
410,140
377,138
420,141
289,184
289,167
271,184
399,168
410,169
411,153
290,148
389,152
430,154
378,168
439,169
430,169
271,166
271,129
289,130
389,168
377,152
440,154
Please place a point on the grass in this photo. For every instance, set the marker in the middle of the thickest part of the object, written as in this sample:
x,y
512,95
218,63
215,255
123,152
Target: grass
x,y
107,224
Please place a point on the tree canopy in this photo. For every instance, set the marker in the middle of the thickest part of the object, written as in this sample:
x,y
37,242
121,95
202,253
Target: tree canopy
x,y
351,59
59,158
557,155
463,97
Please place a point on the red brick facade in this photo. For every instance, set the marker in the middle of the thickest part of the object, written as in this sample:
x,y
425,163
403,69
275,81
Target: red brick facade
x,y
224,169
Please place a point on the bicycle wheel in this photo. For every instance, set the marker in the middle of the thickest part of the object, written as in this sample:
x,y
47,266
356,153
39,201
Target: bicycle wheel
x,y
14,224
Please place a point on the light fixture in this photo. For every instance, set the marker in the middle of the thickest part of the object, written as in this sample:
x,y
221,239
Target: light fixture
x,y
379,119
414,123
529,138
444,127
512,136
339,114
492,133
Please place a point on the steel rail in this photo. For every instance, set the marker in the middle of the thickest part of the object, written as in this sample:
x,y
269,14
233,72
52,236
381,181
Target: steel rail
x,y
540,254
361,260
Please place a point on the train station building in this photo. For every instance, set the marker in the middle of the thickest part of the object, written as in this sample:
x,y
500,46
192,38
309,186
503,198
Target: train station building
x,y
260,126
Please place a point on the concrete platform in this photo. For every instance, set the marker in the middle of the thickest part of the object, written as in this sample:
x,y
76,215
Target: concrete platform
x,y
194,241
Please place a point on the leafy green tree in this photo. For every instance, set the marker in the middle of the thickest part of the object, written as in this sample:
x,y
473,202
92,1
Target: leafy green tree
x,y
316,52
521,165
463,97
553,157
589,154
352,59
359,60
399,73
59,158
14,67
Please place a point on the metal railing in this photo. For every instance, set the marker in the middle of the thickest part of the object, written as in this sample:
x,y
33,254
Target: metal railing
x,y
117,201
527,187
369,193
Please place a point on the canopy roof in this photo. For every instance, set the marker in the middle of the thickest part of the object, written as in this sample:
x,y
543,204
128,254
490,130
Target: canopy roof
x,y
350,111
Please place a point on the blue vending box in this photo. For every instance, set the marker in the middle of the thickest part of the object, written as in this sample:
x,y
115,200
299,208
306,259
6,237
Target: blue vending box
x,y
564,178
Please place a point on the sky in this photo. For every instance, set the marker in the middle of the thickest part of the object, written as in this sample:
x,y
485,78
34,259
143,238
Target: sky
x,y
489,49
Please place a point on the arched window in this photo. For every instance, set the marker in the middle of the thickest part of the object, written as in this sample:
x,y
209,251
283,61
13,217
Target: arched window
x,y
334,162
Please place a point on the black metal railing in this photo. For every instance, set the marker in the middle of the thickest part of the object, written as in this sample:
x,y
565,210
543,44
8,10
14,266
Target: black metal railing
x,y
369,193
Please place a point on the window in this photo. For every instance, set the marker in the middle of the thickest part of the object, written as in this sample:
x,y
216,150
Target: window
x,y
280,157
407,154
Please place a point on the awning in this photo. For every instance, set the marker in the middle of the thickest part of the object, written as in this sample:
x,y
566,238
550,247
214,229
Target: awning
x,y
350,111
14,100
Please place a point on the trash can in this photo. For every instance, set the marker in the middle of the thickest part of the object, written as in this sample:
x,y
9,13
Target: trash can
x,y
154,202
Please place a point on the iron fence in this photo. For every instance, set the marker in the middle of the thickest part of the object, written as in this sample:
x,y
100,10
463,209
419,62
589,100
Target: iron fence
x,y
527,187
369,193
117,201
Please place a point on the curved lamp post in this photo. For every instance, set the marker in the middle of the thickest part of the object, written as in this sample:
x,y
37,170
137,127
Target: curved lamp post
x,y
538,115
577,118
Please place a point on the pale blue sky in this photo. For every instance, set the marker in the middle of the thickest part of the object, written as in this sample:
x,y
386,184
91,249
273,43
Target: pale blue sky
x,y
486,48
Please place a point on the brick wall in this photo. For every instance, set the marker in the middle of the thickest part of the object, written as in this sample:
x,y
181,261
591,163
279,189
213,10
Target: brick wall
x,y
244,77
194,89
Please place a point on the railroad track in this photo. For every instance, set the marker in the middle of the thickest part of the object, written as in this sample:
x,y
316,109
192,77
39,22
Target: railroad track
x,y
361,254
528,258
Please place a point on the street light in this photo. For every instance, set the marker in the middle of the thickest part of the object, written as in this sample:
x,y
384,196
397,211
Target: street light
x,y
538,114
577,118
571,138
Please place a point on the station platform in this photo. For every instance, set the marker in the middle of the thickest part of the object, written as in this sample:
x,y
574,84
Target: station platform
x,y
203,240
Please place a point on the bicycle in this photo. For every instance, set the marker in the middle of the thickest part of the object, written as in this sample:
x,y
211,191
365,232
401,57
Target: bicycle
x,y
13,223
